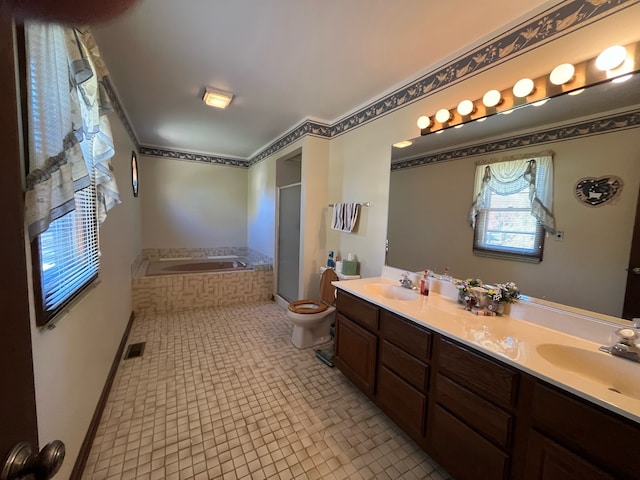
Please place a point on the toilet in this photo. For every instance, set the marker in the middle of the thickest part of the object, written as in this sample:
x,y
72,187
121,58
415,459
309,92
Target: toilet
x,y
312,318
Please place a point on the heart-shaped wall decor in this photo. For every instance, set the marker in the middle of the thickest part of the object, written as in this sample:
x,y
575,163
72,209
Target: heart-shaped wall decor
x,y
597,191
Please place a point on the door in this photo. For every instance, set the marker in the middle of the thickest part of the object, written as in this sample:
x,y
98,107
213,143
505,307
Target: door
x,y
289,241
631,308
17,395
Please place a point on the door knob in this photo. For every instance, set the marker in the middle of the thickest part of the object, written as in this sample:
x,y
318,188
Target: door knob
x,y
635,270
21,461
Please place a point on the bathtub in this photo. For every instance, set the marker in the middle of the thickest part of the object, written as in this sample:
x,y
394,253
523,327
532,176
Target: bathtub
x,y
174,284
172,266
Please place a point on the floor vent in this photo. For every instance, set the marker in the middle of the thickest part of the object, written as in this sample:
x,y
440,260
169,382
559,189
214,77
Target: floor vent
x,y
134,350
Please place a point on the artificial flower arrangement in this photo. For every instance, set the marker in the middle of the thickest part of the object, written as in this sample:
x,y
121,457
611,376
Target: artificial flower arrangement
x,y
504,292
465,295
481,298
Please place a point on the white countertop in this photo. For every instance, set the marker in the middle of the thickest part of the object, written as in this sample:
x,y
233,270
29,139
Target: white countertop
x,y
516,342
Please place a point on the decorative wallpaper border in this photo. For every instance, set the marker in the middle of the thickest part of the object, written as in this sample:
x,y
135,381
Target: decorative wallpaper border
x,y
588,128
557,21
307,128
193,157
554,23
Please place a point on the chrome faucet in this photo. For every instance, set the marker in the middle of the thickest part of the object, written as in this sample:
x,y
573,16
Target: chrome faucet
x,y
406,282
626,346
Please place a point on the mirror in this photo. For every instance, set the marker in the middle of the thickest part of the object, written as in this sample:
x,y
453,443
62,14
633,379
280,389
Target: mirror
x,y
591,134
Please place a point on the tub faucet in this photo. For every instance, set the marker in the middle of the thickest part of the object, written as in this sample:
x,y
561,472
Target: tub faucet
x,y
406,282
626,346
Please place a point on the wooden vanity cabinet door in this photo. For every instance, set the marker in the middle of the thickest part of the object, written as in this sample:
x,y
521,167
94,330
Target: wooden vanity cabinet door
x,y
606,439
402,403
546,460
461,451
355,354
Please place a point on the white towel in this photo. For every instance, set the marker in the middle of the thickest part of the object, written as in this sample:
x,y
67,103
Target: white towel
x,y
345,216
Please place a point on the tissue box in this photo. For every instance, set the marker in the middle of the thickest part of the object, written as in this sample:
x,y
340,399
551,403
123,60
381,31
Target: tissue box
x,y
349,267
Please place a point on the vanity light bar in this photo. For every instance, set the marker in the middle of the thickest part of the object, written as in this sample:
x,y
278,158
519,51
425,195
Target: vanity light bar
x,y
614,64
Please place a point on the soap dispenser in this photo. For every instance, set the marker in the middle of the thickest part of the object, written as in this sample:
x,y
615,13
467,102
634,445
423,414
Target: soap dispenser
x,y
424,283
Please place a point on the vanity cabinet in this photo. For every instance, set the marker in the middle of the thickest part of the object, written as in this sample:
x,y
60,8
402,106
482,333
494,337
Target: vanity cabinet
x,y
403,373
356,342
478,417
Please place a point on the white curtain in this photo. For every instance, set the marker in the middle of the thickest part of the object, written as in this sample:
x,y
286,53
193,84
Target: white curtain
x,y
69,136
512,175
56,164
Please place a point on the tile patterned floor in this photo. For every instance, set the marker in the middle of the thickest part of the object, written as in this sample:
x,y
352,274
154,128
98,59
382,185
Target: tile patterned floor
x,y
222,394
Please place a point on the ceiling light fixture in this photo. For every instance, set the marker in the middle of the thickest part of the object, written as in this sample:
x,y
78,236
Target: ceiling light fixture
x,y
611,58
492,98
562,74
523,87
466,107
443,115
403,144
216,98
424,122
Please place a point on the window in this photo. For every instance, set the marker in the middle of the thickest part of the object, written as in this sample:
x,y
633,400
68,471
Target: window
x,y
512,210
70,185
68,255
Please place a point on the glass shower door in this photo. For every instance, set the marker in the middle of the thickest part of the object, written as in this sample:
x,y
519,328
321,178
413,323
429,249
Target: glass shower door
x,y
288,262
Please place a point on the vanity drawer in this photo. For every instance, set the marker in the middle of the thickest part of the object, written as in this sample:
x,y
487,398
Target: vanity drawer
x,y
493,422
357,310
406,335
410,369
586,429
486,377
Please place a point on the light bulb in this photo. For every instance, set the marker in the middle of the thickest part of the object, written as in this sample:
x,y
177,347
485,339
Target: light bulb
x,y
562,74
492,98
611,58
621,79
443,115
424,122
466,107
523,87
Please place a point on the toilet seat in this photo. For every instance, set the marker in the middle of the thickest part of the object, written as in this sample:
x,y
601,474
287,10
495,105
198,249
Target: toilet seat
x,y
300,306
327,294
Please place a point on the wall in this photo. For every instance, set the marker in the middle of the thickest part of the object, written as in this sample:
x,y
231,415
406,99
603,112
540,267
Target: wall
x,y
192,205
360,158
596,240
314,213
71,361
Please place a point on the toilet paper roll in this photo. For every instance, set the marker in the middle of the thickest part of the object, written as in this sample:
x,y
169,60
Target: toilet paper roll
x,y
339,266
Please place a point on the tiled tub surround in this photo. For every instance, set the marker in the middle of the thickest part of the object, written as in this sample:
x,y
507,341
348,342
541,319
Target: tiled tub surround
x,y
254,257
514,338
184,291
222,394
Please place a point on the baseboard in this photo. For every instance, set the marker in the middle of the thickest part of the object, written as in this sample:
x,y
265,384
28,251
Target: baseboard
x,y
85,448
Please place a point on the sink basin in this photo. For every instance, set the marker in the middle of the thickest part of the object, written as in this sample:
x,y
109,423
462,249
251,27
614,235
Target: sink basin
x,y
391,292
616,374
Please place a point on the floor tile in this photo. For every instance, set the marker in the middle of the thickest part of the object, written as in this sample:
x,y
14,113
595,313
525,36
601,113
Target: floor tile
x,y
222,393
